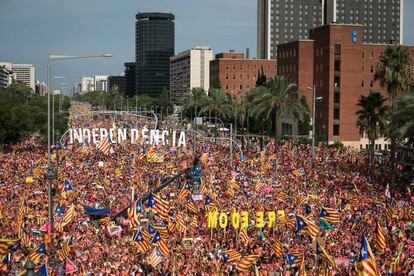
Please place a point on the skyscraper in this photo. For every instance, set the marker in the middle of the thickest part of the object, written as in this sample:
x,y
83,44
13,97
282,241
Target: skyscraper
x,y
154,45
129,73
281,21
382,19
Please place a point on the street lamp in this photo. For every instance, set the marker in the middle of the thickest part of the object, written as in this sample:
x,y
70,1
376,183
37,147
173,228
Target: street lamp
x,y
51,173
313,121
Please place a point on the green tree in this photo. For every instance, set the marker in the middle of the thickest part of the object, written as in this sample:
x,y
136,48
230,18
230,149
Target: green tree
x,y
219,103
196,100
261,78
277,99
372,119
402,119
393,72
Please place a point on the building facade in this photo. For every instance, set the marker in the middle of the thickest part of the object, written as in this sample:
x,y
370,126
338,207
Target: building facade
x,y
41,88
237,75
341,66
129,73
189,69
154,45
282,21
382,20
25,73
87,84
101,83
6,76
118,81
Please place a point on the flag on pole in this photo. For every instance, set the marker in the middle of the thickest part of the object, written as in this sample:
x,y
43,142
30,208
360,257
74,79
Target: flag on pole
x,y
155,258
185,191
7,246
330,215
70,267
37,253
159,205
156,239
141,243
277,248
231,255
246,263
368,265
105,145
379,238
306,225
325,257
244,238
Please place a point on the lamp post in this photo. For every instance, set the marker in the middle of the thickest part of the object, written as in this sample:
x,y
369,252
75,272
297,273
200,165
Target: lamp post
x,y
51,173
313,122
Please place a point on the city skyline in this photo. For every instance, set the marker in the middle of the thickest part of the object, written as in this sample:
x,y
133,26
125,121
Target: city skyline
x,y
93,27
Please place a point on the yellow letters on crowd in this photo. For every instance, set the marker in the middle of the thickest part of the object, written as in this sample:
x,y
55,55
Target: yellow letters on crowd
x,y
223,220
259,220
241,220
235,220
244,221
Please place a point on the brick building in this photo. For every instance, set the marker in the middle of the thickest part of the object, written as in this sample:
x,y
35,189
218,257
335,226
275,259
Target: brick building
x,y
341,67
236,74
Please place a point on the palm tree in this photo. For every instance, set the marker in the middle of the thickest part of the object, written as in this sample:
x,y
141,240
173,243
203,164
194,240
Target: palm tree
x,y
372,119
219,103
277,99
393,72
196,101
402,119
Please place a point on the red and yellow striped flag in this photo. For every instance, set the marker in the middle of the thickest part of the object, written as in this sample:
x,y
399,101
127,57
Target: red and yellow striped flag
x,y
246,262
244,238
277,248
379,238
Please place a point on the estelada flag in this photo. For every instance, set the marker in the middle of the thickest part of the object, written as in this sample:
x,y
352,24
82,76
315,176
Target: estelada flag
x,y
70,267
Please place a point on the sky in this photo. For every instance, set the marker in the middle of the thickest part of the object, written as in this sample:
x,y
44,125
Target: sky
x,y
32,29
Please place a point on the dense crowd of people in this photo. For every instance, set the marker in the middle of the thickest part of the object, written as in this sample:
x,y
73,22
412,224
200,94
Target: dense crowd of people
x,y
257,180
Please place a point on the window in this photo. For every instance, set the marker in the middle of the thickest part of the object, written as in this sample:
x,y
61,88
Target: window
x,y
241,86
336,130
241,67
336,97
227,76
227,87
241,76
363,69
234,67
336,113
371,84
371,70
372,54
362,84
227,67
337,65
363,55
234,76
337,49
248,76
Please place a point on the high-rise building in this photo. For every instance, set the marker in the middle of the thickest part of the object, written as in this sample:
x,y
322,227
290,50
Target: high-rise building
x,y
118,81
189,69
282,21
6,75
87,84
25,73
41,88
382,20
236,75
154,45
101,83
341,66
130,79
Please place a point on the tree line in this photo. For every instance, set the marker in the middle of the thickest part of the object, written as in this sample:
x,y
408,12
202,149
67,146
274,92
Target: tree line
x,y
23,113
